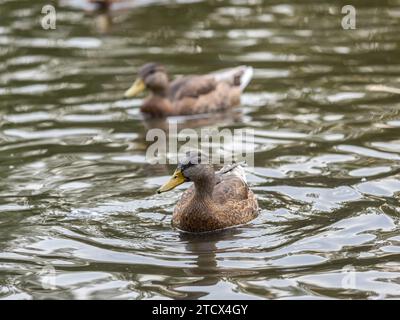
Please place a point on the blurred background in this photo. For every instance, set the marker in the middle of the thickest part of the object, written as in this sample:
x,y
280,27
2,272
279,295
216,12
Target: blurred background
x,y
79,217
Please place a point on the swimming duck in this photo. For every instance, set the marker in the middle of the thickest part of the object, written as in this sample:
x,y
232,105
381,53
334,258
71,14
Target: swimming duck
x,y
215,201
189,95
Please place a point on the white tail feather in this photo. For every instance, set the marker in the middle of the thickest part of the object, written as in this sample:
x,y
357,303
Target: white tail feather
x,y
240,173
235,169
246,77
228,75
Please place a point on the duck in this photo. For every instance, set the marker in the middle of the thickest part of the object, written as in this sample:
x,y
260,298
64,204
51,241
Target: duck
x,y
216,200
189,95
103,19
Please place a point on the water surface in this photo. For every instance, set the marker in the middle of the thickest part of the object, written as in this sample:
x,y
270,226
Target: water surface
x,y
77,197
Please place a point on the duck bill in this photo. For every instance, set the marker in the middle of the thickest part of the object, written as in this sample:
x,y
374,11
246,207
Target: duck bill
x,y
136,88
176,179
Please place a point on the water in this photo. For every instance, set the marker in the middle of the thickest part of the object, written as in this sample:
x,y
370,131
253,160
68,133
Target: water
x,y
79,217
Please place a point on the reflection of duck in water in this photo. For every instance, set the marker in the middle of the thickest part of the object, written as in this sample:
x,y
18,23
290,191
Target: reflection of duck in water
x,y
189,95
216,201
224,118
204,248
207,273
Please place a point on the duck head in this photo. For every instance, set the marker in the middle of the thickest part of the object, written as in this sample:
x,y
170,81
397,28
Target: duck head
x,y
193,167
152,76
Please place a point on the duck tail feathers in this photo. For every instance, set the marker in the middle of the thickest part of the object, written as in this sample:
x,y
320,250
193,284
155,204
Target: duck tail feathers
x,y
239,76
246,77
236,169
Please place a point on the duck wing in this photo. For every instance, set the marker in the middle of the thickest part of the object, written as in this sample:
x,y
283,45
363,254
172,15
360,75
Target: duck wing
x,y
231,184
191,87
195,86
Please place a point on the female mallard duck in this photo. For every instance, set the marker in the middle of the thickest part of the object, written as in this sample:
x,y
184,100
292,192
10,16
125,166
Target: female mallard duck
x,y
189,95
216,201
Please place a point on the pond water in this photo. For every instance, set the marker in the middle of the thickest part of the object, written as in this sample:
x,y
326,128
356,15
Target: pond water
x,y
79,217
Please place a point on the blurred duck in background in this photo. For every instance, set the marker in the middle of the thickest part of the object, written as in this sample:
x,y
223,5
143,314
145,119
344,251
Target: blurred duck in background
x,y
103,16
101,9
189,95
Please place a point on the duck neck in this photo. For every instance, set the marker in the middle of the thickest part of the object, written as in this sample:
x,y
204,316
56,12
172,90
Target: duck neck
x,y
160,91
204,186
199,213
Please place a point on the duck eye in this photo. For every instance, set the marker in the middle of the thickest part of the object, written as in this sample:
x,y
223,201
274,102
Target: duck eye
x,y
187,165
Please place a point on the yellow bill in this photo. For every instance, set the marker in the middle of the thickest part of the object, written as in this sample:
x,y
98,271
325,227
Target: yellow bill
x,y
176,179
136,88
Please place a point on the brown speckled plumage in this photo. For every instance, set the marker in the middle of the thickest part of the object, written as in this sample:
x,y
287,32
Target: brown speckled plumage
x,y
192,94
215,200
